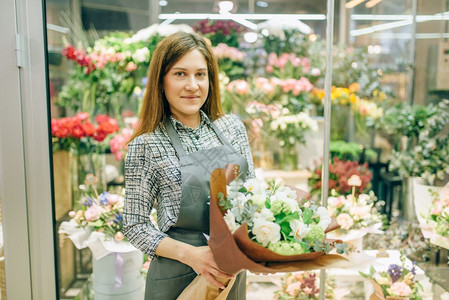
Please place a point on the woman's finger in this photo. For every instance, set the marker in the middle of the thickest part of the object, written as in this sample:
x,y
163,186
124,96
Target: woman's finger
x,y
213,281
218,273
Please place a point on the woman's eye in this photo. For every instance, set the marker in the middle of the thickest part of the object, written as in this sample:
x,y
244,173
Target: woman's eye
x,y
202,74
179,73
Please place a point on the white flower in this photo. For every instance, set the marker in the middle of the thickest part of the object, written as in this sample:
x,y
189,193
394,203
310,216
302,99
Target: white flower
x,y
363,199
264,214
266,232
325,219
258,199
230,221
238,204
345,221
299,229
287,201
141,54
360,212
256,186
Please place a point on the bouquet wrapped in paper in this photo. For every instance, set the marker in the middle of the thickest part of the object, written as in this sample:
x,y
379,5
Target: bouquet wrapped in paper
x,y
264,231
397,282
356,215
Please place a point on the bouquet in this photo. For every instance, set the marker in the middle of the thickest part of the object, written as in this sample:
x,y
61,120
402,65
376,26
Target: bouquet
x,y
275,219
234,252
303,286
97,223
356,215
398,282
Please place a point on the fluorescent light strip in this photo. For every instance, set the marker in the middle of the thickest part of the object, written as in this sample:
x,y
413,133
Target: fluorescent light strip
x,y
179,16
372,3
390,35
353,3
366,17
391,25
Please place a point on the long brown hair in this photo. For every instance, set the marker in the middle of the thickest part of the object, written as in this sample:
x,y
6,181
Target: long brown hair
x,y
171,49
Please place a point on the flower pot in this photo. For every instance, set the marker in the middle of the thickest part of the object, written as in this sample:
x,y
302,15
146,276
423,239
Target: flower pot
x,y
118,276
422,198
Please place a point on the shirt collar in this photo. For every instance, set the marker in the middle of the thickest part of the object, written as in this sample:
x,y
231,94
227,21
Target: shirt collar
x,y
204,119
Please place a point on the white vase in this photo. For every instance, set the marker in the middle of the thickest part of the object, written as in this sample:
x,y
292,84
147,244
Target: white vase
x,y
118,276
422,198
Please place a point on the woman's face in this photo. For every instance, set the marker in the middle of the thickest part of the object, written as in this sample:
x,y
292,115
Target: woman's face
x,y
186,85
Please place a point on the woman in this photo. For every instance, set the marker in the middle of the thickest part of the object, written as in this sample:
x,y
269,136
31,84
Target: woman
x,y
182,137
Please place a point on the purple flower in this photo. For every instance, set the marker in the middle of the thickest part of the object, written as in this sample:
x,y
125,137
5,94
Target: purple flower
x,y
144,81
118,218
395,272
88,202
104,198
413,269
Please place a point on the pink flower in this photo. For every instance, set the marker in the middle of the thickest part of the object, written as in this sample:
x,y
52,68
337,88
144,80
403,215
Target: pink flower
x,y
438,209
82,116
293,288
345,221
119,236
114,199
335,202
240,86
315,72
272,58
131,66
93,213
400,289
269,69
146,265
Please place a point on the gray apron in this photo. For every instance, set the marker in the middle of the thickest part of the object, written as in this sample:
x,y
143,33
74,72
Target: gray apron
x,y
167,278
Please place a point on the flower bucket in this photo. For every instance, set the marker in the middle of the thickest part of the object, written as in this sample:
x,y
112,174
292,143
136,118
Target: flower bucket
x,y
118,276
422,198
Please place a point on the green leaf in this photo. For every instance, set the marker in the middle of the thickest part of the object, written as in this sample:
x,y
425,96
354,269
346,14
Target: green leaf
x,y
307,216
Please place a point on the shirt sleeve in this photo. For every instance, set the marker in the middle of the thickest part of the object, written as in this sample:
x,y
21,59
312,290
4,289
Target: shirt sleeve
x,y
141,191
245,149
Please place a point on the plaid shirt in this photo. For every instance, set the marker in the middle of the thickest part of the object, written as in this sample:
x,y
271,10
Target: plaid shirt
x,y
153,175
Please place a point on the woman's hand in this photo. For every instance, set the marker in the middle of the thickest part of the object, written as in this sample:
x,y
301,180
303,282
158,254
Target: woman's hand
x,y
202,261
199,259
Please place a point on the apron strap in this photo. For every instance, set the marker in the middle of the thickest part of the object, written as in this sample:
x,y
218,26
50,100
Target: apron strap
x,y
220,135
174,137
176,141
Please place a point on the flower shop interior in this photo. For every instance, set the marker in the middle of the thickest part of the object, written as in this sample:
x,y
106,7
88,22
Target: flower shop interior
x,y
362,83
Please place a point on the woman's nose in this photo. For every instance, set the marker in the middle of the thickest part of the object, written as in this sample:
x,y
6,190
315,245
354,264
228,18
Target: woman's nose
x,y
191,84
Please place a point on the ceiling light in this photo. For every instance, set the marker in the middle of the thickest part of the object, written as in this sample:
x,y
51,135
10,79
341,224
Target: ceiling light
x,y
225,6
250,37
315,17
262,4
391,25
353,3
372,3
163,3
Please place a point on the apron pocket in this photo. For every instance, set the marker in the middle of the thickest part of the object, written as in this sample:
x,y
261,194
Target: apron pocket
x,y
170,288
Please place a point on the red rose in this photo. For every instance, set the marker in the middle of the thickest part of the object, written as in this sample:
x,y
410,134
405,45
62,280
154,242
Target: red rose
x,y
77,131
101,118
88,128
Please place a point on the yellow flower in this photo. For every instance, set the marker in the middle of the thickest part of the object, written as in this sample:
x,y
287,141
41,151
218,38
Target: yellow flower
x,y
353,98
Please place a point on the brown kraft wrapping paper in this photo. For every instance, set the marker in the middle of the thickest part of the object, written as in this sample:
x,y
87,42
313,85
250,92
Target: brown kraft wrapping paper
x,y
234,253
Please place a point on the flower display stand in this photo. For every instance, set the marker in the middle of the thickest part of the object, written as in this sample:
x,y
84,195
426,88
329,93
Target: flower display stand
x,y
118,276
